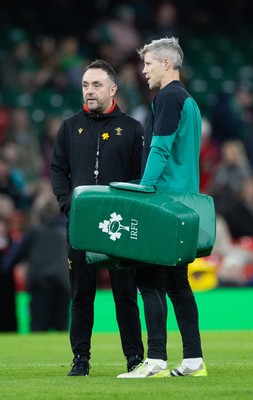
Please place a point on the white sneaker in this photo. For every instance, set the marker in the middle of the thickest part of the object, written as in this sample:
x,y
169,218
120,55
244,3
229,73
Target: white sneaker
x,y
146,369
184,370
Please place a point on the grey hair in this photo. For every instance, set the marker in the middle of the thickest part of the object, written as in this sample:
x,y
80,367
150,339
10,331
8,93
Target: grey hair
x,y
163,48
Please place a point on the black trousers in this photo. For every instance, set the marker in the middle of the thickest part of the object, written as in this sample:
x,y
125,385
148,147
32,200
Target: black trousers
x,y
154,282
83,287
49,307
8,318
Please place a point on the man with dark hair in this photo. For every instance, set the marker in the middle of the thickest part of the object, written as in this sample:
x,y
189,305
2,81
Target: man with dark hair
x,y
98,145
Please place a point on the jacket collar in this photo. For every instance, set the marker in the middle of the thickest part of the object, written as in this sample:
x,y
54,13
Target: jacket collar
x,y
109,111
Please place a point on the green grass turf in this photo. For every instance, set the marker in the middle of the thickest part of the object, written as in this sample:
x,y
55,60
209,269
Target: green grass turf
x,y
34,366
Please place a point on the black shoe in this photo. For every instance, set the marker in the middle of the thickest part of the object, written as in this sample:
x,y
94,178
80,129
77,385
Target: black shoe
x,y
80,366
133,361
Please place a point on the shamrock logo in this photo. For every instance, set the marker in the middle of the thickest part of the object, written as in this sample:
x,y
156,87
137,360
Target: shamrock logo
x,y
113,226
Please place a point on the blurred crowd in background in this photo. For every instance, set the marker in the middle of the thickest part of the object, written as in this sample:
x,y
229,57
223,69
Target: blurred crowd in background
x,y
44,49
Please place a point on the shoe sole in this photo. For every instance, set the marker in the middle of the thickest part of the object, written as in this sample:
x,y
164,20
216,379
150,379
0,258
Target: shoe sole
x,y
132,376
75,374
137,377
168,374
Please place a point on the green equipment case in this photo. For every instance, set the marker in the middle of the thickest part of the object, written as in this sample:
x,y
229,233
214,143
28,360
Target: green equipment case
x,y
133,222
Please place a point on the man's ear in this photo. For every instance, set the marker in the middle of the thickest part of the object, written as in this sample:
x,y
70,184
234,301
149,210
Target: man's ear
x,y
113,89
167,64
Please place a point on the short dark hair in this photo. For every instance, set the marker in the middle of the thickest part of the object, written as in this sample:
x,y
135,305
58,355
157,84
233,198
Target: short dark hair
x,y
105,66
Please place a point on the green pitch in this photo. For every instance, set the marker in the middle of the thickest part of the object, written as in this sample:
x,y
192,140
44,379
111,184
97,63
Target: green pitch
x,y
34,366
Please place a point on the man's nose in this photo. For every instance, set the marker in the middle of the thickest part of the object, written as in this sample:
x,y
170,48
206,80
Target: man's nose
x,y
144,71
89,89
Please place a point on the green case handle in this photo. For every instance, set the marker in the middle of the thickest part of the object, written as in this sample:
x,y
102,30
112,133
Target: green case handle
x,y
132,187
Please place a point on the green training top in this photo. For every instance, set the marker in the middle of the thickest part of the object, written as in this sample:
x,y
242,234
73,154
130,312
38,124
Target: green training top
x,y
172,142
